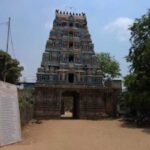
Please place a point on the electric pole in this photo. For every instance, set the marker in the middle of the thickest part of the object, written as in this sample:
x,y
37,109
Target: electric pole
x,y
7,46
8,35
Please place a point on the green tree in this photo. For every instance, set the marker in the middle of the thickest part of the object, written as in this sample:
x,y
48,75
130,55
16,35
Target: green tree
x,y
108,64
10,69
138,81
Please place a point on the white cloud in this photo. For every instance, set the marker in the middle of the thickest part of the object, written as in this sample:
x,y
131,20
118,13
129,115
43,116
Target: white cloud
x,y
120,27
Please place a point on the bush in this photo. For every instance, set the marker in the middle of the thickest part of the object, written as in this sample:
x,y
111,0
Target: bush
x,y
26,105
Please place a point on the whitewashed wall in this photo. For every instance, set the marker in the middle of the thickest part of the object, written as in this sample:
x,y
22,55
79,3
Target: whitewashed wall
x,y
10,131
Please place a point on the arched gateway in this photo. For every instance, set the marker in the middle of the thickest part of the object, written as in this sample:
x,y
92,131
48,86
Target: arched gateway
x,y
69,69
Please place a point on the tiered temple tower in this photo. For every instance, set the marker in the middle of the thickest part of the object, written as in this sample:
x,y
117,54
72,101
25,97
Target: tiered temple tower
x,y
69,57
69,68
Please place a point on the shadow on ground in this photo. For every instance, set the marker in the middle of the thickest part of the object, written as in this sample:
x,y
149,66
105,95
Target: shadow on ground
x,y
147,130
67,118
132,125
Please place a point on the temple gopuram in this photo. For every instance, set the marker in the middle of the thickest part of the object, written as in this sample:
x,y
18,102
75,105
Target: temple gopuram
x,y
69,69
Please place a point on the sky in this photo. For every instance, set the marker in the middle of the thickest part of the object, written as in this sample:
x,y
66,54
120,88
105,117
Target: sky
x,y
32,20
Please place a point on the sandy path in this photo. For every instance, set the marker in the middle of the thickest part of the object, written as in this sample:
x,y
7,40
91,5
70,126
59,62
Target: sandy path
x,y
82,135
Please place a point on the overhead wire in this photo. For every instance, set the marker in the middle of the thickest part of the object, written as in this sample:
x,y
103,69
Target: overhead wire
x,y
12,44
11,39
3,23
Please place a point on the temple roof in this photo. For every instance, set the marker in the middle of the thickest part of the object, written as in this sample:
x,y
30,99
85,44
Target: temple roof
x,y
65,14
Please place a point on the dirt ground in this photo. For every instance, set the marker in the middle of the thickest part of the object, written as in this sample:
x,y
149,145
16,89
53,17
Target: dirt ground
x,y
82,135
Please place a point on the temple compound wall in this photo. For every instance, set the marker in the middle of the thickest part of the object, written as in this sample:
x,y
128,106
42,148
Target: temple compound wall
x,y
69,69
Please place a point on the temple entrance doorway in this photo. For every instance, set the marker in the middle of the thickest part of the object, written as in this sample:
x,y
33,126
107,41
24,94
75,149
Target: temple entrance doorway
x,y
70,105
71,77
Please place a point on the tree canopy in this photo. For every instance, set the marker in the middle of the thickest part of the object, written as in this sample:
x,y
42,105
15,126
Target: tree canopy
x,y
138,81
10,69
109,65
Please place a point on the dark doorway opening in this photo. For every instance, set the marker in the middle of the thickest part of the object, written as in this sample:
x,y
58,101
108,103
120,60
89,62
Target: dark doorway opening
x,y
70,105
71,58
71,77
70,24
70,44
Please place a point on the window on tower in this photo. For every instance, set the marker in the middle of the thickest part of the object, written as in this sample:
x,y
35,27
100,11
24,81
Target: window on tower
x,y
71,24
71,58
71,77
77,25
70,44
77,34
64,24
